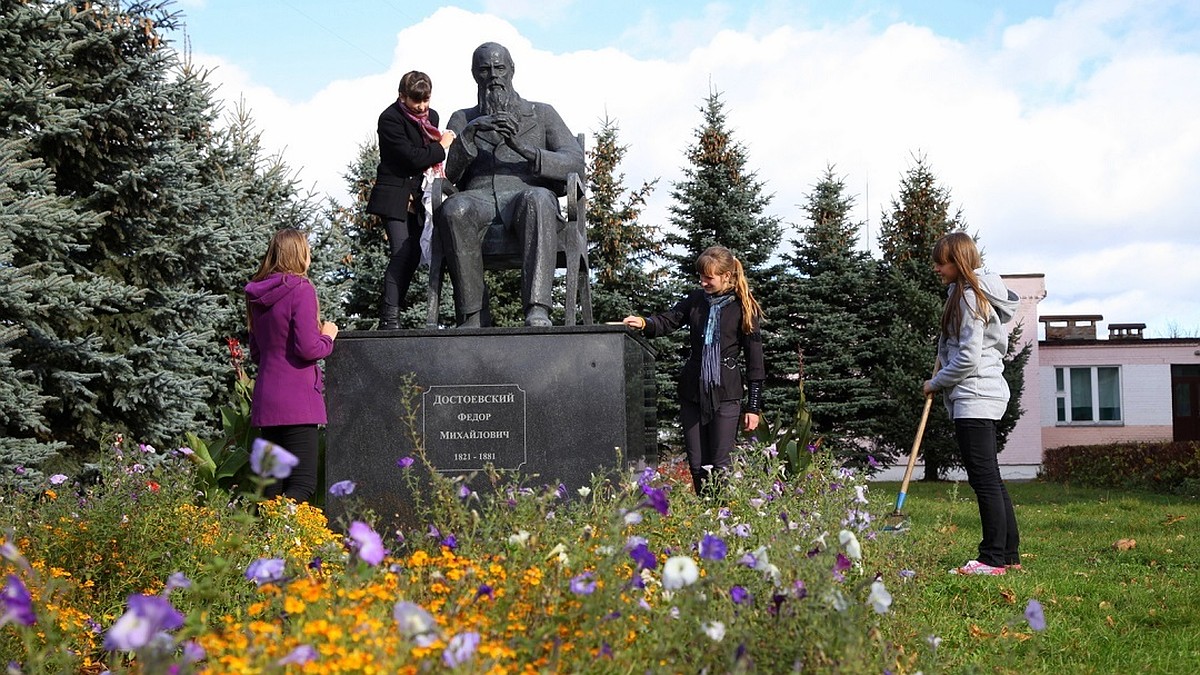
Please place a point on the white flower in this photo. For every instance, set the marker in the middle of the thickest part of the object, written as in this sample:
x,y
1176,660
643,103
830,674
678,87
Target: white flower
x,y
584,491
714,630
633,518
879,598
850,544
560,552
679,571
860,494
837,600
519,539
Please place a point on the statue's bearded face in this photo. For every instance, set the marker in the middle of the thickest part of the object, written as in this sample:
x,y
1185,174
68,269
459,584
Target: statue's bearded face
x,y
493,72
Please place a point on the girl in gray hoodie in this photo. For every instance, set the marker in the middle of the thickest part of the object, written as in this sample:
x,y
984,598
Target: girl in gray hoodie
x,y
971,348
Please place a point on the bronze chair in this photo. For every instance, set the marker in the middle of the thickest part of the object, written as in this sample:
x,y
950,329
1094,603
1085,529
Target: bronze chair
x,y
502,251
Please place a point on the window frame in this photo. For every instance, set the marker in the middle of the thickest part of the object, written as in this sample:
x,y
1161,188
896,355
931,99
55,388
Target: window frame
x,y
1064,404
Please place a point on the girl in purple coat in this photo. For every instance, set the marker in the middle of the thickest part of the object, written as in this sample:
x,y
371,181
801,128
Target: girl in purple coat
x,y
723,318
286,340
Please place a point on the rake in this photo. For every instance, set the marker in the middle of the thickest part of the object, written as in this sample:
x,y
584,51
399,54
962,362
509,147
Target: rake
x,y
897,520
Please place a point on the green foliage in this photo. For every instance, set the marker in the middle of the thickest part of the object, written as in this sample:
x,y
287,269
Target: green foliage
x,y
146,216
825,316
909,299
624,253
1168,468
793,440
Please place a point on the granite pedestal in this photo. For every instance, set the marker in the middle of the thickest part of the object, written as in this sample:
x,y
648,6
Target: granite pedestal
x,y
553,404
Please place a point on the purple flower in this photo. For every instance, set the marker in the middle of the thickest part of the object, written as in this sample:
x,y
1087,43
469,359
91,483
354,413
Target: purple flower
x,y
460,649
301,655
907,574
1034,615
405,462
367,542
799,589
712,548
583,584
485,591
342,488
271,461
842,563
872,462
644,558
193,652
147,616
177,580
450,541
739,595
741,530
464,492
656,498
18,604
265,571
58,479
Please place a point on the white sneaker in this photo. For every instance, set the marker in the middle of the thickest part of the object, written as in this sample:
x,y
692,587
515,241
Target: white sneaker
x,y
976,567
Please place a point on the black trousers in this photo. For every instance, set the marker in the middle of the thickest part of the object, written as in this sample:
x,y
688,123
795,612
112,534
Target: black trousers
x,y
977,449
404,244
709,444
302,441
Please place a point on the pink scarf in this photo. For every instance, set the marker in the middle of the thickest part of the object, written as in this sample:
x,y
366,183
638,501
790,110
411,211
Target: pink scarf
x,y
431,132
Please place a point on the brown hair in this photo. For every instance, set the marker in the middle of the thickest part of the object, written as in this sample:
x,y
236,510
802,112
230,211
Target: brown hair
x,y
287,253
717,260
958,249
416,86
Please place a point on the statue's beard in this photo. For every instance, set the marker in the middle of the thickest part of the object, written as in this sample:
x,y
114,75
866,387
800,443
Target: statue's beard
x,y
497,99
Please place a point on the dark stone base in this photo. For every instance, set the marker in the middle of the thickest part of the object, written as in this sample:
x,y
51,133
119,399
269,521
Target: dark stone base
x,y
554,404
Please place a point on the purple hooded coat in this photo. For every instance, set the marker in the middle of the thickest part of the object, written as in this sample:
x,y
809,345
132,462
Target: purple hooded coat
x,y
286,342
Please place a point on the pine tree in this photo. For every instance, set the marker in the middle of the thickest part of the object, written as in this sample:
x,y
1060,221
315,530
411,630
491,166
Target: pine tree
x,y
174,212
719,201
824,317
623,252
907,310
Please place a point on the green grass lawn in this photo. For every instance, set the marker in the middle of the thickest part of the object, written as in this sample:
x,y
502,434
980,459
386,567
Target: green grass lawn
x,y
1107,610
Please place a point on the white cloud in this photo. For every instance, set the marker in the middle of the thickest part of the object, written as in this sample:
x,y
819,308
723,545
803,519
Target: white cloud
x,y
1071,142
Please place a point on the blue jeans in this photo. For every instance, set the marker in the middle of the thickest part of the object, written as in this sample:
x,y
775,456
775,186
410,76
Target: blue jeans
x,y
977,449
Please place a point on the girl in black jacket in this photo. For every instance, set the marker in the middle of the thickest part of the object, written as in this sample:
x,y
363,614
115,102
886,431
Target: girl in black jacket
x,y
724,319
410,146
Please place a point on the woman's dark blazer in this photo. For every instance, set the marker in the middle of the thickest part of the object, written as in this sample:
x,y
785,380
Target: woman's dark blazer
x,y
404,154
693,311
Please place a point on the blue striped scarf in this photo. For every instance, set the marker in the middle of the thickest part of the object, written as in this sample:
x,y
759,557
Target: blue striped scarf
x,y
710,360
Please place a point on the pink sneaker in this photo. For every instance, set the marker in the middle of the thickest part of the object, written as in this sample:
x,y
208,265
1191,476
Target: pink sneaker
x,y
976,567
1013,567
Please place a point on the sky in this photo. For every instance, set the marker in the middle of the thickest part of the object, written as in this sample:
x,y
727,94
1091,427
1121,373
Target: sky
x,y
1068,133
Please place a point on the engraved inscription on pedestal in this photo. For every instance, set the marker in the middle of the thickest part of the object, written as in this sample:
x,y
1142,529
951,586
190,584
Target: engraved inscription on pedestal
x,y
469,426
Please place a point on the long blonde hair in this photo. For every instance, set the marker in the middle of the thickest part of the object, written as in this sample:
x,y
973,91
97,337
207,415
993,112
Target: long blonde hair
x,y
288,253
958,249
717,260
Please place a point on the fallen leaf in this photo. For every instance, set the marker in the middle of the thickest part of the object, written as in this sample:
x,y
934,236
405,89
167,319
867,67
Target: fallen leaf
x,y
949,529
1171,520
977,632
1124,544
1020,637
1008,595
1104,604
1109,620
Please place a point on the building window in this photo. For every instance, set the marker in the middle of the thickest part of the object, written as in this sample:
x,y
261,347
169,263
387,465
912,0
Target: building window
x,y
1088,395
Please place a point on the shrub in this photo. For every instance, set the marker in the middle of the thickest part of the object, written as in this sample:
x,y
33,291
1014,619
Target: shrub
x,y
1171,468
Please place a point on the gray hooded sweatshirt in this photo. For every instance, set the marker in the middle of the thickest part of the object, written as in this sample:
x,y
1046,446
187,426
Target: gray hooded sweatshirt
x,y
971,377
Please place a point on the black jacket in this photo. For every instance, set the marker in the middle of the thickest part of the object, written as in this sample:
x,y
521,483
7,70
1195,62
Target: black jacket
x,y
404,154
693,311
